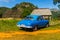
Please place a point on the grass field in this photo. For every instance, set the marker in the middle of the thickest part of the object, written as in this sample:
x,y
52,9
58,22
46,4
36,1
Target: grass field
x,y
10,25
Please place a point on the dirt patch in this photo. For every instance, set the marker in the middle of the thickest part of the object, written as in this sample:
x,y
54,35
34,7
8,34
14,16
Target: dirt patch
x,y
10,34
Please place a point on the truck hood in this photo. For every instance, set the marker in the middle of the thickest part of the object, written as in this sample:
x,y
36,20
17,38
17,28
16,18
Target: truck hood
x,y
25,22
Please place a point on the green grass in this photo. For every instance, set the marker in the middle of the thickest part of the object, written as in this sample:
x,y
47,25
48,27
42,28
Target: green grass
x,y
10,25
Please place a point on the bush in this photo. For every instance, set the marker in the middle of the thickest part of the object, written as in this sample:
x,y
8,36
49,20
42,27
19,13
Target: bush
x,y
56,15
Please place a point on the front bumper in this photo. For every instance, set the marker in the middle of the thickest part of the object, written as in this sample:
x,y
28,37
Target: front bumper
x,y
24,26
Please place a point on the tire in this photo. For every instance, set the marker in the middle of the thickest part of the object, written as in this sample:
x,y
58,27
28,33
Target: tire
x,y
47,25
22,28
35,28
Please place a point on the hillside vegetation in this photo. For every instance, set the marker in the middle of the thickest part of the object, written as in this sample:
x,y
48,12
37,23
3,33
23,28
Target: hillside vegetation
x,y
19,10
56,15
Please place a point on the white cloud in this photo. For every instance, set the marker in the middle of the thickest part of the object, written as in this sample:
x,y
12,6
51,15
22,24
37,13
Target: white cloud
x,y
6,0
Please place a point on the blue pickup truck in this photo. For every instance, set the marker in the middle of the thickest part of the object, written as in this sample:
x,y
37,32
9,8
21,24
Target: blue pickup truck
x,y
33,22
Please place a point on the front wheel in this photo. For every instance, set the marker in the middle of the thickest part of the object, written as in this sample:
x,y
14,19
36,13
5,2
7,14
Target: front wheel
x,y
35,28
47,25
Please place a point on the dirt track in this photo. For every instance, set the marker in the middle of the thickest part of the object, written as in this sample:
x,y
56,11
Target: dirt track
x,y
10,34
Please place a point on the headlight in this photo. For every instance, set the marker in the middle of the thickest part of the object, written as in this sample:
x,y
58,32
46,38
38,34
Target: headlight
x,y
18,25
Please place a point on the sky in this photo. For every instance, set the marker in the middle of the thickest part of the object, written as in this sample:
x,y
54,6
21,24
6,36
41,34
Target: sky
x,y
38,3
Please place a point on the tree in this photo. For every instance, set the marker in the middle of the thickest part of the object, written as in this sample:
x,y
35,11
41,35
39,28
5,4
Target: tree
x,y
55,15
57,2
7,13
3,10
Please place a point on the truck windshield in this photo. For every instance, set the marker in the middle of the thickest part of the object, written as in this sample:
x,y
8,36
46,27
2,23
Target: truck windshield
x,y
29,18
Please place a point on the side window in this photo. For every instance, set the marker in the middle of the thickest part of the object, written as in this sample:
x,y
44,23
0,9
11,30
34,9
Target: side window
x,y
40,18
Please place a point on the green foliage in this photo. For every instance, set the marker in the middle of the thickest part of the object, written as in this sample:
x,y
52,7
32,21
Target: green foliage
x,y
3,10
24,9
56,15
56,2
18,11
8,25
59,6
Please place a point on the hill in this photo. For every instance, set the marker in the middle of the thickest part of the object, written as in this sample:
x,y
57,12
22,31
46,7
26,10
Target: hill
x,y
19,10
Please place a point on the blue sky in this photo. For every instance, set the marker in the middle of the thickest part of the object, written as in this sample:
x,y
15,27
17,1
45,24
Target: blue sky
x,y
39,3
